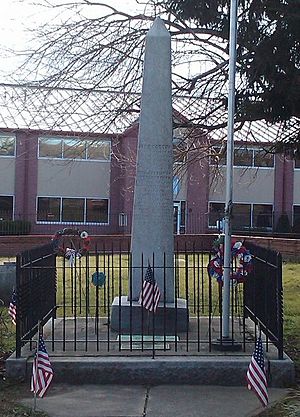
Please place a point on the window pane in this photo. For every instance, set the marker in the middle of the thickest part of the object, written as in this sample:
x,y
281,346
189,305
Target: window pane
x,y
7,146
72,209
6,207
48,209
74,149
176,185
182,217
241,216
296,219
98,150
262,215
243,157
97,211
216,212
50,148
263,158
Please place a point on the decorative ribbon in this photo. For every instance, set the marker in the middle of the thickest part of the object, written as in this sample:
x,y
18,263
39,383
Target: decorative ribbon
x,y
69,253
241,262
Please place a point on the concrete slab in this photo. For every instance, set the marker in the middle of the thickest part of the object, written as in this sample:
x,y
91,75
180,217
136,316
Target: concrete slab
x,y
91,401
100,359
206,401
225,371
159,401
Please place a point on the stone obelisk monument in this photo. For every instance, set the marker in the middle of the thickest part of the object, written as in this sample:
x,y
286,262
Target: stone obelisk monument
x,y
152,239
152,222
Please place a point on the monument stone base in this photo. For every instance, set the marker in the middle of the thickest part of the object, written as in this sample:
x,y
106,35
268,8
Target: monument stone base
x,y
130,317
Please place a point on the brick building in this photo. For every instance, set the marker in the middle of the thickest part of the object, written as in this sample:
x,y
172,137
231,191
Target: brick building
x,y
65,175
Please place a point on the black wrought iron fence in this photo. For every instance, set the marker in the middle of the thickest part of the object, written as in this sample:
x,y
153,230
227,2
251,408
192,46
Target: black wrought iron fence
x,y
86,301
264,294
35,291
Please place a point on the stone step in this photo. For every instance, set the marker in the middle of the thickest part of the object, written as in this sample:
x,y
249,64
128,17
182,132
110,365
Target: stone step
x,y
200,370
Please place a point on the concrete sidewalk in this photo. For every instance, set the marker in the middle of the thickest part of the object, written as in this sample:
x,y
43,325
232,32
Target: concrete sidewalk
x,y
64,400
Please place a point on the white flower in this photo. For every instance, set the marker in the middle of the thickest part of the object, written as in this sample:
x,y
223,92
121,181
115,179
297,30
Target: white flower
x,y
84,235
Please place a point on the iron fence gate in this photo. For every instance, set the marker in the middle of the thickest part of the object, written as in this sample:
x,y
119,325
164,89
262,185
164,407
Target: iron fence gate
x,y
264,294
35,291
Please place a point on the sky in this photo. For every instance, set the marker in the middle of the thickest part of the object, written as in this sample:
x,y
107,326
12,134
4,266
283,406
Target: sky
x,y
18,17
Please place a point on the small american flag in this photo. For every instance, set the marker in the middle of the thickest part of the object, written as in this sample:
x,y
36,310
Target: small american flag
x,y
256,374
42,372
150,294
12,309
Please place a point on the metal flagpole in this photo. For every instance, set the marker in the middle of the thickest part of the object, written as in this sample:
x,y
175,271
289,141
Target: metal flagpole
x,y
226,343
35,361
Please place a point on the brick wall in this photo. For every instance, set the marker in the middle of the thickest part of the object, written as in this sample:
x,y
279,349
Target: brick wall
x,y
289,248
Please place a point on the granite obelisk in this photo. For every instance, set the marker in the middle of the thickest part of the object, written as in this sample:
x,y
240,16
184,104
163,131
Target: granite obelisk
x,y
152,239
152,223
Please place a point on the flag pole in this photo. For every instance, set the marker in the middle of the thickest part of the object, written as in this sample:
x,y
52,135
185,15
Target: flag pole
x,y
35,367
227,343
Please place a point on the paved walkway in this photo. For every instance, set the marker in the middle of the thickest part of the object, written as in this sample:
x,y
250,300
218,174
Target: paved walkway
x,y
64,400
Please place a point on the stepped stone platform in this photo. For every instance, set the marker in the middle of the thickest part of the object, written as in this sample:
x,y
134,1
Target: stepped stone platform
x,y
105,357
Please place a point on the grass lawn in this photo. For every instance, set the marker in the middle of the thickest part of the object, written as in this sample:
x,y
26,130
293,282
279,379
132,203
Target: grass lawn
x,y
10,392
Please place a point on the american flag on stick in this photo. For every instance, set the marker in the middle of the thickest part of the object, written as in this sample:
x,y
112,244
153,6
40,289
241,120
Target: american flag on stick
x,y
12,309
150,294
42,372
256,374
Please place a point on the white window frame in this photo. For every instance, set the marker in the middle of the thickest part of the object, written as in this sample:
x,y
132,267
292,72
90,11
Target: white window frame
x,y
84,211
65,138
2,135
252,150
293,214
213,202
237,202
296,168
13,203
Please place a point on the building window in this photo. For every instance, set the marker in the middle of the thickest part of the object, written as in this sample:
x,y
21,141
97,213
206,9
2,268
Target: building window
x,y
296,219
98,150
50,148
241,216
182,217
262,216
176,185
263,158
48,209
72,210
297,163
244,216
97,211
6,207
74,148
7,145
216,213
243,157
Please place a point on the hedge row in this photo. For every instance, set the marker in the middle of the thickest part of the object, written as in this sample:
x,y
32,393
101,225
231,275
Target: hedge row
x,y
15,227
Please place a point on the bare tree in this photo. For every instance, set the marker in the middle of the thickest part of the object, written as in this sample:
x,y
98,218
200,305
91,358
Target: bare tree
x,y
106,54
103,56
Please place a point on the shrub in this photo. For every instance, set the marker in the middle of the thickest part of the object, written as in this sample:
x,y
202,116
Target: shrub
x,y
283,224
15,227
